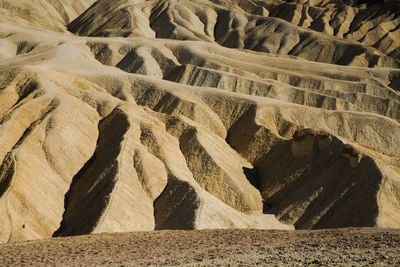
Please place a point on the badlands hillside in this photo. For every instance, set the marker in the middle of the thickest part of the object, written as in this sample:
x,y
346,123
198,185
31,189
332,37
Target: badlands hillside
x,y
135,115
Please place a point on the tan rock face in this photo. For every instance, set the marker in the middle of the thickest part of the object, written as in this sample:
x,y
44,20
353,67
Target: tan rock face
x,y
125,115
42,14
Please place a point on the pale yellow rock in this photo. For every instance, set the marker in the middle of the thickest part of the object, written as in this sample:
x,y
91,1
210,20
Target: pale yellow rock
x,y
221,174
136,115
43,160
43,14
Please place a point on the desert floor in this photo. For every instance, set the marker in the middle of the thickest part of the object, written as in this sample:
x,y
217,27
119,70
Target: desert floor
x,y
349,246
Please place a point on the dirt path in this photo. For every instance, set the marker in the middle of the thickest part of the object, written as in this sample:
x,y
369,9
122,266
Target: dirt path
x,y
350,246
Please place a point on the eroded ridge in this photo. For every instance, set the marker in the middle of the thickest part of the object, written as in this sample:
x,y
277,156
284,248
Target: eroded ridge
x,y
125,115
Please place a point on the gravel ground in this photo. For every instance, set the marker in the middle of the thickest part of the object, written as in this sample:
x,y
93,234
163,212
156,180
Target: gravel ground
x,y
348,246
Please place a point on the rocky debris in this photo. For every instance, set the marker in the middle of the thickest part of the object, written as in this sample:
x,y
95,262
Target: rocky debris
x,y
331,247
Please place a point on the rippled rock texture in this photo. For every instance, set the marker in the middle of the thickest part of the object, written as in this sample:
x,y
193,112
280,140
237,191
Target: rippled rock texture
x,y
132,115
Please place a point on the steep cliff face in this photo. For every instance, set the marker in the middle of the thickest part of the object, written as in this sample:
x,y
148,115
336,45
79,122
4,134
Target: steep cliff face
x,y
173,114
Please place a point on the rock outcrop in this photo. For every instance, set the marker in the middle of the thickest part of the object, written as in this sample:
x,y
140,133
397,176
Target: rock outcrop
x,y
135,115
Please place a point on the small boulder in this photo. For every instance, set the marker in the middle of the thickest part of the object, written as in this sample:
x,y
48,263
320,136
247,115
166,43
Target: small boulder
x,y
353,154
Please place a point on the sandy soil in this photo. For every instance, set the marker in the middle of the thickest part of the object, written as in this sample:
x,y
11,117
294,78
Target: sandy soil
x,y
350,246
